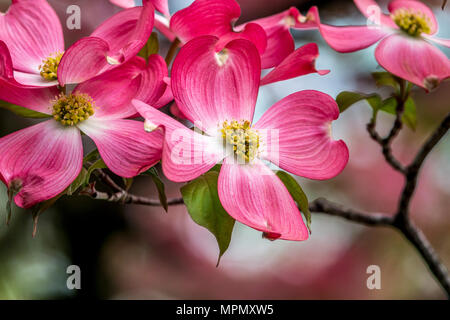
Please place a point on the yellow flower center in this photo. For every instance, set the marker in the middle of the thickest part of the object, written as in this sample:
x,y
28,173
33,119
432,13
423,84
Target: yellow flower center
x,y
49,67
73,108
242,138
413,23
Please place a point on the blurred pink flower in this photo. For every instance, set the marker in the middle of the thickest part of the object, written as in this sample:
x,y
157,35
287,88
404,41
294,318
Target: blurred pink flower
x,y
404,49
33,33
217,91
41,161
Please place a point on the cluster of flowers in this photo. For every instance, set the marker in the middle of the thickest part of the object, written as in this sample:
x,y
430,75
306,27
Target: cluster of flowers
x,y
214,83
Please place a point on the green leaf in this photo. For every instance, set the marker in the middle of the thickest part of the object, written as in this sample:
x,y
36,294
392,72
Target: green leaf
x,y
21,111
217,168
92,156
385,79
409,117
202,201
78,182
153,173
297,194
346,99
99,164
151,47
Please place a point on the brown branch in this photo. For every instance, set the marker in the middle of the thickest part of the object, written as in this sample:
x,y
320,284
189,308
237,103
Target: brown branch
x,y
386,143
322,205
413,170
128,198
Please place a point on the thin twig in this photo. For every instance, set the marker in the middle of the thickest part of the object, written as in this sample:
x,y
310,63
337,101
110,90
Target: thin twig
x,y
128,198
108,181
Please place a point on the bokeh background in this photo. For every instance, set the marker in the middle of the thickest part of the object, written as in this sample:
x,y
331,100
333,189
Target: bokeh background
x,y
136,252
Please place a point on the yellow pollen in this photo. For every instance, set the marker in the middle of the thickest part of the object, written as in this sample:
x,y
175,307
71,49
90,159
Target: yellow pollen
x,y
242,138
49,67
413,23
72,109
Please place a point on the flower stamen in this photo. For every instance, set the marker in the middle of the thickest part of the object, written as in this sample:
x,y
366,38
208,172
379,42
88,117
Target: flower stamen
x,y
72,109
49,67
242,138
412,22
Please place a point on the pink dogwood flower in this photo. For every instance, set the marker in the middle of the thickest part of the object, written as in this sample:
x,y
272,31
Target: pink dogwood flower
x,y
271,35
405,49
33,33
41,161
217,91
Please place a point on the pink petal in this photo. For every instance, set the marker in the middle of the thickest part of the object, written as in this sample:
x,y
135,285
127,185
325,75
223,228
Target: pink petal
x,y
415,6
443,42
32,32
205,17
162,25
371,10
166,98
162,6
302,61
414,60
279,39
153,86
124,145
254,196
126,27
279,45
114,42
83,60
113,91
37,99
297,134
251,32
186,154
211,87
6,67
45,157
349,39
123,3
16,77
33,79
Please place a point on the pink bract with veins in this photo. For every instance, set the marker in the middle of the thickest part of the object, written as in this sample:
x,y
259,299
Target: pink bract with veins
x,y
214,88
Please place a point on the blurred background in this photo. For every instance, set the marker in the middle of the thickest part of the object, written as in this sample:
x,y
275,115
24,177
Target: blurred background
x,y
137,252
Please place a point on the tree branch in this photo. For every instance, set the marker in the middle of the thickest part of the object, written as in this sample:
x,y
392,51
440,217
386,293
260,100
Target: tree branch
x,y
412,171
386,143
322,205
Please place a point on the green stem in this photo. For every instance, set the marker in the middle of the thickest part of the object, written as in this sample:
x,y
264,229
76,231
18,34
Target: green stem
x,y
172,51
